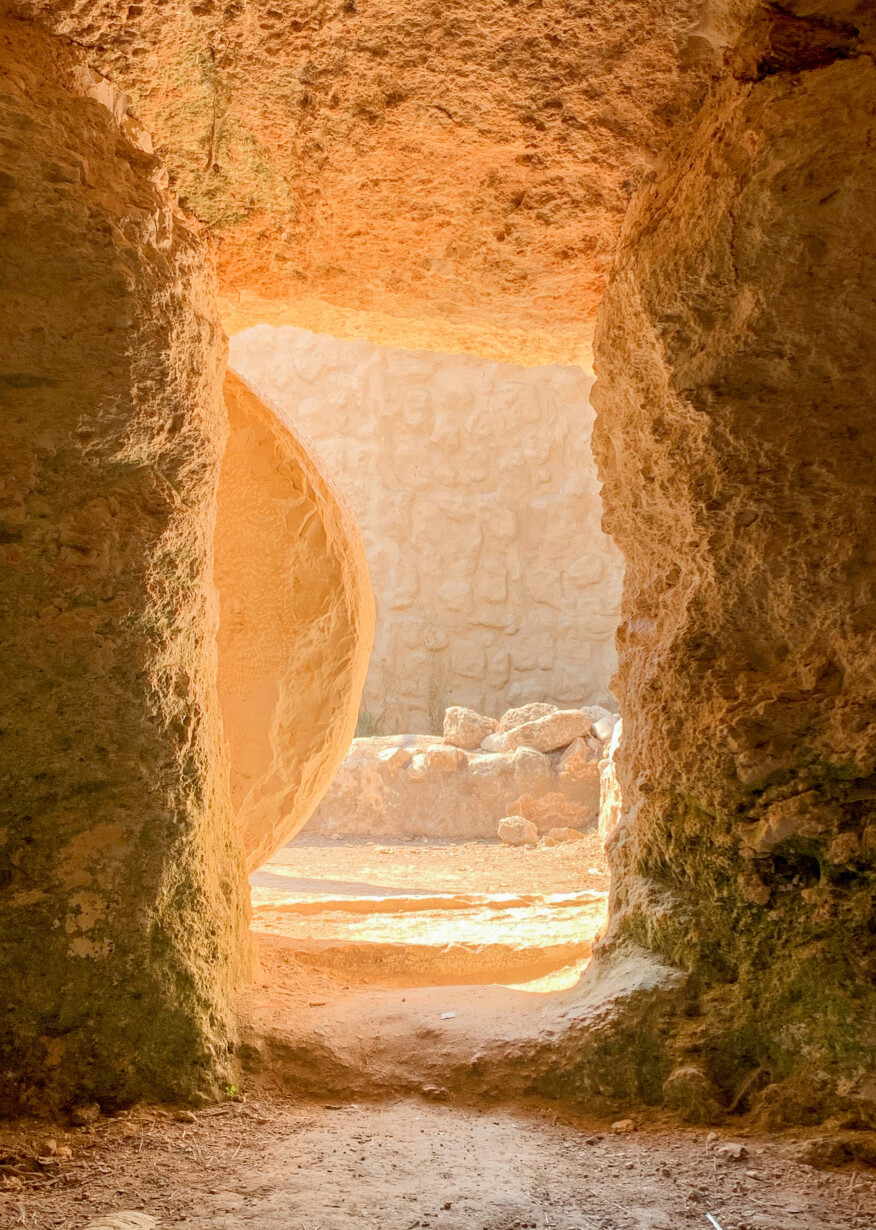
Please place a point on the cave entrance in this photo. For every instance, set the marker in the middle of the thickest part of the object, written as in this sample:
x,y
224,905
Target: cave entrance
x,y
497,601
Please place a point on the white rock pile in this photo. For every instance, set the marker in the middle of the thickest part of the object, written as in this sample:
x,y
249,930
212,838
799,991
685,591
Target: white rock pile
x,y
532,774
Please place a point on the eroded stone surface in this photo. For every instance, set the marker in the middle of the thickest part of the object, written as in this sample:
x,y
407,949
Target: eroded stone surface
x,y
122,907
297,622
468,163
476,493
735,438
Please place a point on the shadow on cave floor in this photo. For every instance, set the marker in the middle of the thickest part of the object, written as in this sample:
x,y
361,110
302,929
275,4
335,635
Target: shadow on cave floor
x,y
275,1163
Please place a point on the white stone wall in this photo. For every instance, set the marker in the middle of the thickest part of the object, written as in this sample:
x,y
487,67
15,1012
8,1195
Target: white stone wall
x,y
477,496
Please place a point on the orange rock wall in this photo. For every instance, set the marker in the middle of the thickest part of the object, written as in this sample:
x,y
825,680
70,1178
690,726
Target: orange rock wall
x,y
734,434
464,164
475,489
122,902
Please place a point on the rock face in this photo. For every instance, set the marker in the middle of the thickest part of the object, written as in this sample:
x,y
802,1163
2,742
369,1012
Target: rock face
x,y
296,627
122,909
476,493
736,399
611,801
467,165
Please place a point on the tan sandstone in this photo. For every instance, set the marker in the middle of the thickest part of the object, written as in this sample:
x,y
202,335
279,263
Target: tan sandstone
x,y
735,438
297,622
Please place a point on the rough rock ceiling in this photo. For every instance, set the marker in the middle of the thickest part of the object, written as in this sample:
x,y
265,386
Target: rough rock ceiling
x,y
457,169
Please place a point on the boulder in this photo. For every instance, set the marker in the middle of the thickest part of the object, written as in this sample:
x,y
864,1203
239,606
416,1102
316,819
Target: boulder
x,y
517,831
495,743
558,837
466,728
551,731
512,718
580,752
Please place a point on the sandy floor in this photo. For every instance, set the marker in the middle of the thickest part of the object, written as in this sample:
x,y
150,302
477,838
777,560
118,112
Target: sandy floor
x,y
437,913
402,1165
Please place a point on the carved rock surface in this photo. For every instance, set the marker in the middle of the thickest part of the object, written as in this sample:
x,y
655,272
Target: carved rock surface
x,y
122,907
476,492
297,622
465,164
735,406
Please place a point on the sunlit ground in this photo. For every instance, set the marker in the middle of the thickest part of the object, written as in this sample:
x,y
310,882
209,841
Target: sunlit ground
x,y
437,913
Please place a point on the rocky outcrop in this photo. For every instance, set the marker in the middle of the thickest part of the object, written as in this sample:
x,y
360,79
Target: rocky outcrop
x,y
476,493
296,627
735,409
122,897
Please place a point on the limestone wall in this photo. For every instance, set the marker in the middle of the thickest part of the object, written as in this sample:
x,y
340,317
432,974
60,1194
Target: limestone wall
x,y
477,497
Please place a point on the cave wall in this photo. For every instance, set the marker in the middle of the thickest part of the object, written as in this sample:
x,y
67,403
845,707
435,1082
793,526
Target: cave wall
x,y
475,489
122,896
297,622
736,401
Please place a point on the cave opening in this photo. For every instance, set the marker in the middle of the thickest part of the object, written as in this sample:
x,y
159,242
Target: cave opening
x,y
688,199
458,845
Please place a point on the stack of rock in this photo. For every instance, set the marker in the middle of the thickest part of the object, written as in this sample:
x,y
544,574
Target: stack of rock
x,y
534,773
575,739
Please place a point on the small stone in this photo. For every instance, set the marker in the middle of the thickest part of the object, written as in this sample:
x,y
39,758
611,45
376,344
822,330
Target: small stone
x,y
517,831
622,1126
63,1151
495,743
465,727
84,1116
558,837
604,727
732,1152
394,759
124,1219
186,1116
445,759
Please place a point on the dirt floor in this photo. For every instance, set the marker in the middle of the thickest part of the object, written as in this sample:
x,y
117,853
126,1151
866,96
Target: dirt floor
x,y
428,1127
275,1164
